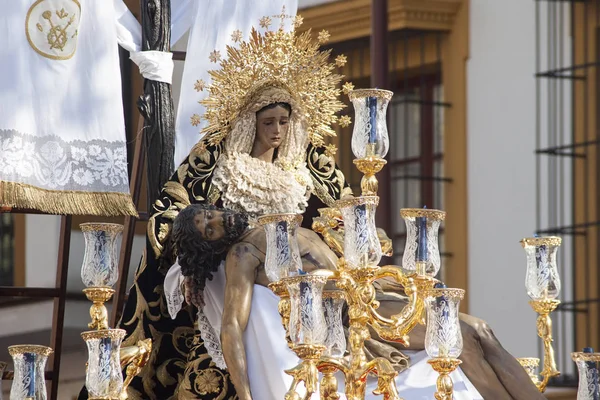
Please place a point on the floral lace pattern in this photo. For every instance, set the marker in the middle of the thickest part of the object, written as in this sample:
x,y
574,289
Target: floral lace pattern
x,y
49,162
211,340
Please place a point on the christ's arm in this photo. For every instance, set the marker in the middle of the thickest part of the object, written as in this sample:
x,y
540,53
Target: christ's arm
x,y
240,270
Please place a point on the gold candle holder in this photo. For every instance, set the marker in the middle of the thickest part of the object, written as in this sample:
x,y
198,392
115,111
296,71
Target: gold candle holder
x,y
369,166
444,385
370,141
443,339
99,271
98,296
544,331
543,287
280,290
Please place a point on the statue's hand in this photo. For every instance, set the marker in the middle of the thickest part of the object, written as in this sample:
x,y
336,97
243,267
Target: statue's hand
x,y
193,295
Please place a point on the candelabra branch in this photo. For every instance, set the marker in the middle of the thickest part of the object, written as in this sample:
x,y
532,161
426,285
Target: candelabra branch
x,y
544,330
306,371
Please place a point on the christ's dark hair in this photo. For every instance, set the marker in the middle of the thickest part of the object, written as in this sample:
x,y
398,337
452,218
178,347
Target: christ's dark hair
x,y
197,256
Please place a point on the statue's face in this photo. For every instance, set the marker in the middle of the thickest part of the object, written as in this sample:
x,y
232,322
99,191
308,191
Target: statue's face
x,y
217,224
272,126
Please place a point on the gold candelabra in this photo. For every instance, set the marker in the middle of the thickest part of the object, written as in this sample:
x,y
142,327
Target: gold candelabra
x,y
543,287
357,270
99,273
444,386
544,330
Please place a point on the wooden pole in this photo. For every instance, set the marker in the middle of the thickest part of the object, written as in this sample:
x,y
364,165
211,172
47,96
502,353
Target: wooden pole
x,y
156,104
379,79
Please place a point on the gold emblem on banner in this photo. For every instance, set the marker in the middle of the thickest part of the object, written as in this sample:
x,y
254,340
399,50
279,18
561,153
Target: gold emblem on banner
x,y
52,27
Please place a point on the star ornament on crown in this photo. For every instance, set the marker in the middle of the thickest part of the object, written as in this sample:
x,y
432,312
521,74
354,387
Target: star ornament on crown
x,y
279,58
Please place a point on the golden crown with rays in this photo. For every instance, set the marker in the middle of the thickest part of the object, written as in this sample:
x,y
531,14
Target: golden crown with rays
x,y
279,58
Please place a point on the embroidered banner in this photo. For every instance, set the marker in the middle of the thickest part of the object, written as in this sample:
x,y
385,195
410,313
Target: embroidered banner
x,y
62,134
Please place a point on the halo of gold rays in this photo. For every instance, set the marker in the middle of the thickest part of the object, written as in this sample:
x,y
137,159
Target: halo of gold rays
x,y
281,58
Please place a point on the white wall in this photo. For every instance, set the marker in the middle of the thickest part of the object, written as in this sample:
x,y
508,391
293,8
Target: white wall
x,y
501,166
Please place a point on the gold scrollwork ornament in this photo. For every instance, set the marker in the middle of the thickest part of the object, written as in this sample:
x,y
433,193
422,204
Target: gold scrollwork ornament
x,y
52,27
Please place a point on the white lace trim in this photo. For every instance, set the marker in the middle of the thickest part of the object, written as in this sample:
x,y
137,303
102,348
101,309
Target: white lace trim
x,y
258,187
212,343
50,162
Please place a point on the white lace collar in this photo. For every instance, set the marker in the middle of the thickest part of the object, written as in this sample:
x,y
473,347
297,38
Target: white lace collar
x,y
259,187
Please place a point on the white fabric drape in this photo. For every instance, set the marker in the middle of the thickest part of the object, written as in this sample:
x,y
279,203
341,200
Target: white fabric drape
x,y
62,135
213,23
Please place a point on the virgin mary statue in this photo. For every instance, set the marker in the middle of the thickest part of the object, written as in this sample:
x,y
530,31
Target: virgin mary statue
x,y
270,69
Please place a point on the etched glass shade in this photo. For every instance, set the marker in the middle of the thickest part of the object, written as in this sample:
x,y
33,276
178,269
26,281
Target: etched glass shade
x,y
283,255
103,378
29,382
370,135
422,252
587,365
101,259
530,365
541,279
335,342
307,319
361,243
443,337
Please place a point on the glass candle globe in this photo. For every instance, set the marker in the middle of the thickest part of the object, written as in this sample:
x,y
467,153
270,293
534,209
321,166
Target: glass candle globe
x,y
101,258
29,381
307,319
335,342
422,253
443,338
541,279
361,243
104,378
282,258
370,135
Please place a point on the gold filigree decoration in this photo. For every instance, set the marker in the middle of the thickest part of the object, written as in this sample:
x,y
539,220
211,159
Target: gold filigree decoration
x,y
103,334
29,348
344,121
271,218
324,36
195,120
378,93
101,226
265,22
298,21
236,36
199,85
330,150
341,60
541,241
347,87
422,212
278,58
215,56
